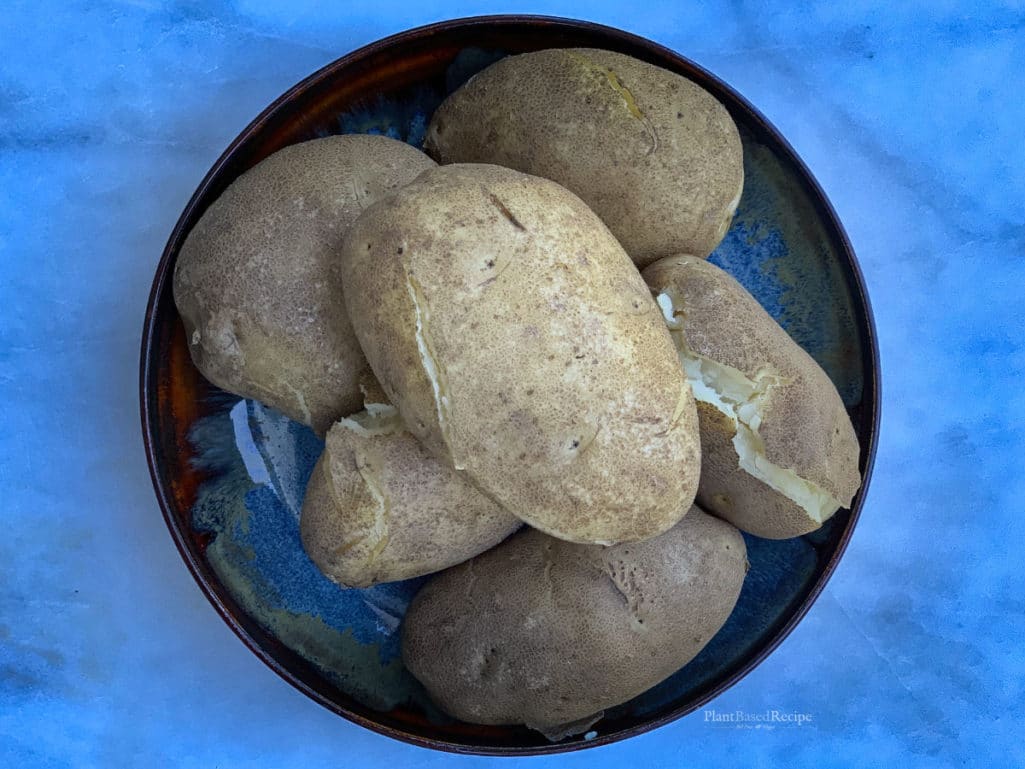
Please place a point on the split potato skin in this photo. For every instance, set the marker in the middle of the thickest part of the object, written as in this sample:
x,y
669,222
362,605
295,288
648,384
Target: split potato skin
x,y
803,425
548,633
379,508
657,157
257,284
521,346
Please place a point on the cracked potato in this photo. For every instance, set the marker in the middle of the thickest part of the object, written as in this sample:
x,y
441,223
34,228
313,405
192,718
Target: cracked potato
x,y
520,344
379,508
779,453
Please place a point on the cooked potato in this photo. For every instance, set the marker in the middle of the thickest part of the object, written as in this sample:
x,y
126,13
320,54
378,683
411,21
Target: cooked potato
x,y
520,344
653,154
380,508
779,454
256,282
547,633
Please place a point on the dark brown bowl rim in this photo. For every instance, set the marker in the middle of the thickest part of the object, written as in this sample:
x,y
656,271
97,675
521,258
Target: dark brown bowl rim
x,y
864,319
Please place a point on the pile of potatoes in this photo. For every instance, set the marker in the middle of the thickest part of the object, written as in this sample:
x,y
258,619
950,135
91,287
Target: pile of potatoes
x,y
527,333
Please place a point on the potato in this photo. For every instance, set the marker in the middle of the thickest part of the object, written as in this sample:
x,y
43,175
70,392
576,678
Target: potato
x,y
380,508
256,281
653,154
779,454
520,344
547,633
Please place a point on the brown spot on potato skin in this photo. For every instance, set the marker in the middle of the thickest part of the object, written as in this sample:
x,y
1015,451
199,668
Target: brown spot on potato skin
x,y
504,210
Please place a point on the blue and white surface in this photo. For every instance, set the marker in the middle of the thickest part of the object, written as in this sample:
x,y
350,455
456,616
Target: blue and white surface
x,y
912,119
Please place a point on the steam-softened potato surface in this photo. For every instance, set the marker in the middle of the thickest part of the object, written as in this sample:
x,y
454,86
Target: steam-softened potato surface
x,y
380,508
520,344
257,283
779,454
547,633
652,153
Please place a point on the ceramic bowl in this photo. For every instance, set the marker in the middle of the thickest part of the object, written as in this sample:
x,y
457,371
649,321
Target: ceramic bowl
x,y
230,474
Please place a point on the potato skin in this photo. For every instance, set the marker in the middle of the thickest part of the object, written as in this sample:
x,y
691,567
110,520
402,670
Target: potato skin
x,y
805,426
380,508
657,157
558,389
545,633
256,280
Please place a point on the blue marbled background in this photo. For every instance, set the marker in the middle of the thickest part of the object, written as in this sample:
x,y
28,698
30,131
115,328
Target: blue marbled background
x,y
911,116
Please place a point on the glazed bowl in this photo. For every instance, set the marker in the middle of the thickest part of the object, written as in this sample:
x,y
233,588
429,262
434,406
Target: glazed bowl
x,y
230,474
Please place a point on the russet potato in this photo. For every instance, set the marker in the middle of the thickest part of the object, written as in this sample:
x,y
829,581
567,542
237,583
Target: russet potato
x,y
380,508
520,344
657,157
257,283
548,633
779,453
